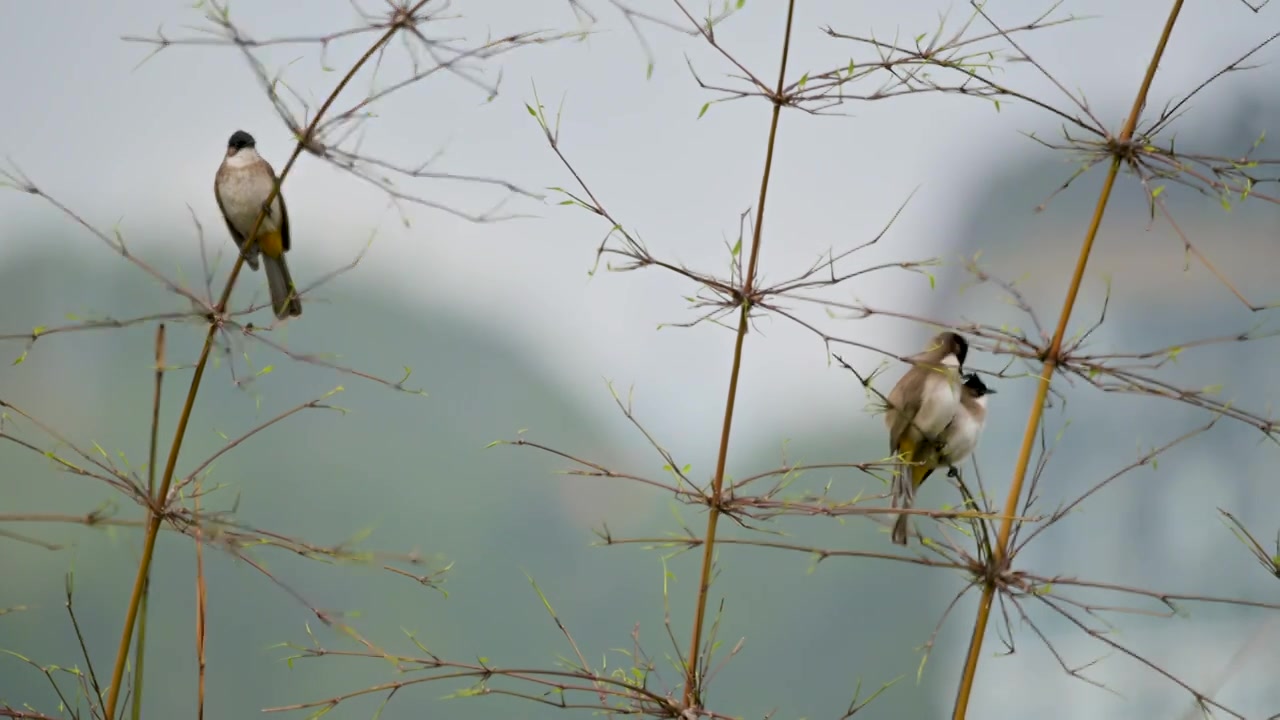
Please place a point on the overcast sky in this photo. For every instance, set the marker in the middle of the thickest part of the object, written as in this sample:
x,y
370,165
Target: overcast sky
x,y
134,145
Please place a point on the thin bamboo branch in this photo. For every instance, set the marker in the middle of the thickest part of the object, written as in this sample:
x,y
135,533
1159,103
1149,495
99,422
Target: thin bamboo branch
x,y
965,689
140,650
691,689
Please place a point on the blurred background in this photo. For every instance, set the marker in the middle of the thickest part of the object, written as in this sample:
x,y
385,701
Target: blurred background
x,y
507,333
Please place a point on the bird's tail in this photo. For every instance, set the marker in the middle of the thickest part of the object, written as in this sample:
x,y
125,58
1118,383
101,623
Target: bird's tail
x,y
903,490
903,496
909,477
284,296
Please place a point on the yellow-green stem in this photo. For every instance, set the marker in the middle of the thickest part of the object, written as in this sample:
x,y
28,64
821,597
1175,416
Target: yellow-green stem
x,y
691,690
140,649
201,607
1046,375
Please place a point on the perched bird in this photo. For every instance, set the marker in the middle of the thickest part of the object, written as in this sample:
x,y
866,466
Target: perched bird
x,y
242,185
921,406
961,437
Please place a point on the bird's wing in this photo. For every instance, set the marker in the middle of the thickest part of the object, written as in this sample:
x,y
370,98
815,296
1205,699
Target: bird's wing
x,y
284,212
235,234
903,407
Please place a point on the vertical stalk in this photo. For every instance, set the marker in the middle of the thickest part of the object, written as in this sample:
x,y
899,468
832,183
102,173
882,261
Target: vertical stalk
x,y
691,690
202,597
140,650
1046,374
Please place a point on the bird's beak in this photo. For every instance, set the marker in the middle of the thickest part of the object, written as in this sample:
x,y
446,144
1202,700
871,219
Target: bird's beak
x,y
991,391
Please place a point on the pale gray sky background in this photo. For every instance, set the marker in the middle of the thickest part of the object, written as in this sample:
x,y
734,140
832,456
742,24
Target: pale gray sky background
x,y
132,146
135,145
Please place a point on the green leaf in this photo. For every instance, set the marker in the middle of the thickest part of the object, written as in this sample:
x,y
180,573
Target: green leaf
x,y
803,79
532,112
703,111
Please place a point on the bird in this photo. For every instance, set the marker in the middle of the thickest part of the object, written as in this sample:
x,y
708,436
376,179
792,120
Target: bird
x,y
961,437
243,182
920,407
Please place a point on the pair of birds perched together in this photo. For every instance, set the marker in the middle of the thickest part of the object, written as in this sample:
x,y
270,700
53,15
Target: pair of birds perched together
x,y
935,416
243,183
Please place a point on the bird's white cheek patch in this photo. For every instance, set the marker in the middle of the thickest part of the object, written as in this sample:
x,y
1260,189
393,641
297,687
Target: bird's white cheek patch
x,y
951,360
